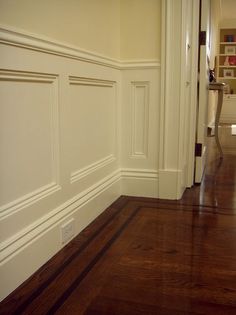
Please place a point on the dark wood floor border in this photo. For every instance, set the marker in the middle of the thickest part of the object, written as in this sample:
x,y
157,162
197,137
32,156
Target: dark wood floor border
x,y
161,202
42,287
161,207
89,267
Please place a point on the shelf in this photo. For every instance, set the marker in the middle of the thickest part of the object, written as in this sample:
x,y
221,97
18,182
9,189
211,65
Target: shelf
x,y
229,96
227,55
227,78
228,43
223,66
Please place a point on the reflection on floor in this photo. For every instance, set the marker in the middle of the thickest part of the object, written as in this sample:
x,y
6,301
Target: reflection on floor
x,y
218,186
148,256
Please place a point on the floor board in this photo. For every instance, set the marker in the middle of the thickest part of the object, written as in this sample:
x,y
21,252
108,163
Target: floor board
x,y
147,256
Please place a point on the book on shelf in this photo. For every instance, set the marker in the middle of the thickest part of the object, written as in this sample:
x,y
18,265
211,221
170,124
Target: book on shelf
x,y
229,38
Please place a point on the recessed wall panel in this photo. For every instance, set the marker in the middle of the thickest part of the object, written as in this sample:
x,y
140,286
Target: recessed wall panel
x,y
93,124
28,137
140,119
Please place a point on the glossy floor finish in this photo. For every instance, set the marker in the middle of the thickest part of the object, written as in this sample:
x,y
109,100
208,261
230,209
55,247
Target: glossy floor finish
x,y
218,188
146,256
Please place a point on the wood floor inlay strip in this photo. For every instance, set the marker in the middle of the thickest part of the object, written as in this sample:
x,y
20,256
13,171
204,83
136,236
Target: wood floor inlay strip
x,y
22,307
83,274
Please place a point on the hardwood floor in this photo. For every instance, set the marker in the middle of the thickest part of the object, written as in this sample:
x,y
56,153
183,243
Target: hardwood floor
x,y
147,256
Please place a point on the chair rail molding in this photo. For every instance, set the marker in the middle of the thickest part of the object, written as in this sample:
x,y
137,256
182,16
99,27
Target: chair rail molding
x,y
21,38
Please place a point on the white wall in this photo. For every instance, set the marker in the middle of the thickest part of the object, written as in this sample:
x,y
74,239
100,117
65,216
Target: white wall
x,y
77,129
140,29
89,24
120,29
228,23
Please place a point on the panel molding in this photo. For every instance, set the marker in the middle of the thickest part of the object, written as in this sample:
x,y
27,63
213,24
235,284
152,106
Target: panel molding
x,y
73,80
135,85
48,189
19,241
140,182
138,173
20,38
93,167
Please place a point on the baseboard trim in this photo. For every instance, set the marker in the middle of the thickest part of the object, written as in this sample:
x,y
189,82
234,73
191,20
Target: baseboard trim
x,y
145,184
170,184
139,182
20,240
28,250
42,238
77,175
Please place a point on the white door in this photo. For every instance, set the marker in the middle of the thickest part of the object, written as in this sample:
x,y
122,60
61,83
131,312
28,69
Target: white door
x,y
203,90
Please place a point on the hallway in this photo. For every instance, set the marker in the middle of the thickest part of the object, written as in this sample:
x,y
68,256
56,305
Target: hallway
x,y
147,256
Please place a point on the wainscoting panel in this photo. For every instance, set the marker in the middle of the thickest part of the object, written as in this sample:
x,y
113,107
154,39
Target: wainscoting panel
x,y
93,108
140,127
76,131
140,119
29,162
59,138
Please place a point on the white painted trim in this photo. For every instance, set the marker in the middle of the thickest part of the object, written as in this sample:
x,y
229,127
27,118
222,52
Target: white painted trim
x,y
172,178
170,187
47,189
20,38
77,175
164,52
90,81
28,199
14,250
143,154
44,241
11,246
193,94
137,64
138,173
139,182
20,240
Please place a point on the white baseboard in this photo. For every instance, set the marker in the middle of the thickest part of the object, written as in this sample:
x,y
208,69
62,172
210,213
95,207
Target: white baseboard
x,y
28,250
139,182
170,184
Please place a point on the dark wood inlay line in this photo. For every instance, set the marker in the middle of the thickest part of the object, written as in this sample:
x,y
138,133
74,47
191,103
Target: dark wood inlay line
x,y
179,203
83,274
190,210
44,285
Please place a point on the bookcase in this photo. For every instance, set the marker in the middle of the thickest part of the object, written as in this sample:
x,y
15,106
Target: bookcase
x,y
227,59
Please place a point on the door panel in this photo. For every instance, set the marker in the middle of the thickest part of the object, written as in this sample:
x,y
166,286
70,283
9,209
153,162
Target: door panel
x,y
204,54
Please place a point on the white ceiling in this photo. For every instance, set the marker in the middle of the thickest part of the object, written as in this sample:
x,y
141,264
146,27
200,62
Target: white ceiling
x,y
228,9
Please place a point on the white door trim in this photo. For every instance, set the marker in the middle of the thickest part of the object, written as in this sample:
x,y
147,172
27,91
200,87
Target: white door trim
x,y
174,177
